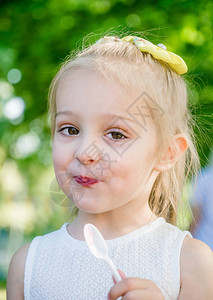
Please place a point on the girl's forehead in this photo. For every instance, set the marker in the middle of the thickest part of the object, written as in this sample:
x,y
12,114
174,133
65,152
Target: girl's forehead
x,y
87,98
89,79
87,94
89,89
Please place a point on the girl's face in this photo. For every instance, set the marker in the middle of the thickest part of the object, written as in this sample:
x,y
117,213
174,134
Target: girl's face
x,y
96,136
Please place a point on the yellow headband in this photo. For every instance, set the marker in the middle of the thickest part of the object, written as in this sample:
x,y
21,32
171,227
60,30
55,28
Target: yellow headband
x,y
159,52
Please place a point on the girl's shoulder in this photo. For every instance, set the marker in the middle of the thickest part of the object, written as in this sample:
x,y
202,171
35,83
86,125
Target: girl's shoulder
x,y
16,271
15,277
196,270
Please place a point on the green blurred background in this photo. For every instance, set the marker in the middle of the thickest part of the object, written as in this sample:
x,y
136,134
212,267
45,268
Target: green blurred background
x,y
35,37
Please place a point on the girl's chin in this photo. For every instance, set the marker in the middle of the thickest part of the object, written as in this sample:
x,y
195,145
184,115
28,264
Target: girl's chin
x,y
90,205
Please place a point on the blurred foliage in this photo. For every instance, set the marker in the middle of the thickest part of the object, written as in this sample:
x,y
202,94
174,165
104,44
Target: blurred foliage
x,y
2,294
35,38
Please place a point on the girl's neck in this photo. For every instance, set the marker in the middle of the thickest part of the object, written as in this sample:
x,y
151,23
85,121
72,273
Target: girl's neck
x,y
111,226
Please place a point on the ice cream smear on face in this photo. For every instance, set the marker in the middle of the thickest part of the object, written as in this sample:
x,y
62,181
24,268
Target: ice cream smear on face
x,y
84,180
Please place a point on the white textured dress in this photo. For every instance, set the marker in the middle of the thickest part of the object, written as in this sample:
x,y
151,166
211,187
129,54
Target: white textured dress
x,y
59,267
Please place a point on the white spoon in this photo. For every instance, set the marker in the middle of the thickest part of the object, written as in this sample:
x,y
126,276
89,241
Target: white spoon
x,y
98,247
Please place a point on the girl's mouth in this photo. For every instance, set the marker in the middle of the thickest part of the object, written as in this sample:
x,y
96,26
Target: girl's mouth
x,y
85,181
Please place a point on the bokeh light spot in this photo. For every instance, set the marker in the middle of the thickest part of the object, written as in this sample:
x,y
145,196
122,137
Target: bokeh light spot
x,y
14,108
6,89
25,145
67,22
14,76
37,126
133,20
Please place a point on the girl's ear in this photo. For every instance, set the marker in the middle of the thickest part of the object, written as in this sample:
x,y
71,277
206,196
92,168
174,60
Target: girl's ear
x,y
177,146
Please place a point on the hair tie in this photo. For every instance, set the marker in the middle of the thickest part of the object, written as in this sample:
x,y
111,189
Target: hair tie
x,y
159,52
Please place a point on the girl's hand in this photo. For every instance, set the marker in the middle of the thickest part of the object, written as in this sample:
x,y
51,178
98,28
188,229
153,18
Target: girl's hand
x,y
134,288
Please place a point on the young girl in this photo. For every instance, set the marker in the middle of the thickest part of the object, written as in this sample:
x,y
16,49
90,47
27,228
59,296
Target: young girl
x,y
122,145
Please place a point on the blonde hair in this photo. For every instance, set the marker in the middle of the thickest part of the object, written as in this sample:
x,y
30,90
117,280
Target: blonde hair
x,y
124,62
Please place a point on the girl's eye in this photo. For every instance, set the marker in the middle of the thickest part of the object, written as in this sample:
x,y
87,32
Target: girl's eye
x,y
117,136
69,130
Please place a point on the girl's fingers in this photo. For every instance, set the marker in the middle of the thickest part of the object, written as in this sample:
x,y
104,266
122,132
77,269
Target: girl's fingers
x,y
122,287
127,285
143,294
136,295
122,276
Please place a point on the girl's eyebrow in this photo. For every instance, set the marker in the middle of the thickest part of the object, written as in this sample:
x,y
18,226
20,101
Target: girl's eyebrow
x,y
102,116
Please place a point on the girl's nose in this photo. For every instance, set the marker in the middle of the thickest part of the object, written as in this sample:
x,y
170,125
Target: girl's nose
x,y
88,154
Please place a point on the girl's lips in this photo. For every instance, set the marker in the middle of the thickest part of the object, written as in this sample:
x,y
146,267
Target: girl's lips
x,y
85,181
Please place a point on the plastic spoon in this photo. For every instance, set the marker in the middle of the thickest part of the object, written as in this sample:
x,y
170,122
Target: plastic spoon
x,y
98,247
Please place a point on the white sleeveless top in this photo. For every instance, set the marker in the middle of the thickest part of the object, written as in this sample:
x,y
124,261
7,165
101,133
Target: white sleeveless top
x,y
59,267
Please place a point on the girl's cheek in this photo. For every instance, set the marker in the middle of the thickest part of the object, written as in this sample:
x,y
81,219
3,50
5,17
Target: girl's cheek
x,y
57,156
